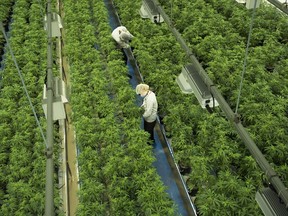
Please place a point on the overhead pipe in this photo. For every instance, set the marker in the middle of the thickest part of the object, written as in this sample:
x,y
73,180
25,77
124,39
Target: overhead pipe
x,y
281,6
231,116
49,189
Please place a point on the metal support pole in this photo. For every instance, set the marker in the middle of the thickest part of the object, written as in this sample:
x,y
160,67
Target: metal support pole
x,y
49,192
245,137
281,6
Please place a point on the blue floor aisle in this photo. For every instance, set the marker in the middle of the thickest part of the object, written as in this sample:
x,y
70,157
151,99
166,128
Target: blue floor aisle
x,y
167,176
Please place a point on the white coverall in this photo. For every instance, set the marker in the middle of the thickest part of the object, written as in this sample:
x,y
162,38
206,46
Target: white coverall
x,y
122,36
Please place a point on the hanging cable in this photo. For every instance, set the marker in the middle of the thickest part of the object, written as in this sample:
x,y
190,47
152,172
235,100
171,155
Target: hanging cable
x,y
23,83
246,56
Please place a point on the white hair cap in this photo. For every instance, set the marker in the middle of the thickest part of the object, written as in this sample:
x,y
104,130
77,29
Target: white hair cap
x,y
141,87
123,28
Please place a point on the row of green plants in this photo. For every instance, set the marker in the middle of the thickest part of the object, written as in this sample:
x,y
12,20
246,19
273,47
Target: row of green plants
x,y
115,163
22,149
6,7
5,10
265,78
223,171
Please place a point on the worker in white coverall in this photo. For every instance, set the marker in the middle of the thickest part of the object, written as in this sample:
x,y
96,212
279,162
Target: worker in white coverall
x,y
150,107
122,36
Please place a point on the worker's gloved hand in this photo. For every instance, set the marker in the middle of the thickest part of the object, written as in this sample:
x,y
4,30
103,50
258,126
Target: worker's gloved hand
x,y
126,46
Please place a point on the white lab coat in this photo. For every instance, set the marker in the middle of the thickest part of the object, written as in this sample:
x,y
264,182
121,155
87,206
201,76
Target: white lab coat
x,y
150,106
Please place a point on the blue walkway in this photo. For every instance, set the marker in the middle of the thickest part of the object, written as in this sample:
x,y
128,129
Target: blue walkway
x,y
167,176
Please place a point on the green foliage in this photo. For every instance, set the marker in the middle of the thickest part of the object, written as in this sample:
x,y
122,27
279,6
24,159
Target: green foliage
x,y
113,168
115,162
22,175
216,32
